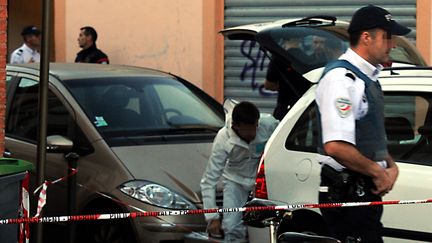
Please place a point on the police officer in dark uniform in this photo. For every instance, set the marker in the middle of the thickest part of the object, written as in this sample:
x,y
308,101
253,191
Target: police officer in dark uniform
x,y
356,164
90,53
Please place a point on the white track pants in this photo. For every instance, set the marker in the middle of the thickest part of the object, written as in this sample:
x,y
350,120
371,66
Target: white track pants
x,y
234,196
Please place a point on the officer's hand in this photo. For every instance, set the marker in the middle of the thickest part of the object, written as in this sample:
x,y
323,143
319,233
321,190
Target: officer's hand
x,y
393,173
383,183
214,228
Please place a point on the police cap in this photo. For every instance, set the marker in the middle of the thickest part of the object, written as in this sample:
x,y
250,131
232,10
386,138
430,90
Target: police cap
x,y
30,30
371,16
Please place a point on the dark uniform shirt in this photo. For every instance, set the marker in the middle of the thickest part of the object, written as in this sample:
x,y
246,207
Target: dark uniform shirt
x,y
292,85
92,55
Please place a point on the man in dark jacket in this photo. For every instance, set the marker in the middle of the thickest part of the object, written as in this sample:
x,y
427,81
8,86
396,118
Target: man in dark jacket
x,y
290,84
90,53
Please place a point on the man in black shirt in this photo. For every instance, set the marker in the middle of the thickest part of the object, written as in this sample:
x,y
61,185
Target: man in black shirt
x,y
290,85
90,53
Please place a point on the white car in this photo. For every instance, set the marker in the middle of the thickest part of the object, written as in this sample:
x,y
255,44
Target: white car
x,y
289,171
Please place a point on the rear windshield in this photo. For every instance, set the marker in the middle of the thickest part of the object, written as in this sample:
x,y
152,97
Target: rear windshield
x,y
307,48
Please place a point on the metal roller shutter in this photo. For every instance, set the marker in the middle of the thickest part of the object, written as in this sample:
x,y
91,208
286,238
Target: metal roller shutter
x,y
246,65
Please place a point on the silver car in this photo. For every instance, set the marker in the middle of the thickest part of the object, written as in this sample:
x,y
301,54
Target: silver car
x,y
143,138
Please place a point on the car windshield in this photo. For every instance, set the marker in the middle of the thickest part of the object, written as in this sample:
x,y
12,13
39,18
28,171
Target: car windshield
x,y
306,48
140,106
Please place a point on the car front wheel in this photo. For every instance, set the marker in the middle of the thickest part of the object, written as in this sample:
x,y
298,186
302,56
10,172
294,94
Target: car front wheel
x,y
105,231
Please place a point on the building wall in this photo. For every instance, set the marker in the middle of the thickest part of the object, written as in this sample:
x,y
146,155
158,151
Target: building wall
x,y
3,54
177,36
213,49
424,28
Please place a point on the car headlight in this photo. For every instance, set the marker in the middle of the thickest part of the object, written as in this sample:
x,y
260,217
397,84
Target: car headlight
x,y
155,194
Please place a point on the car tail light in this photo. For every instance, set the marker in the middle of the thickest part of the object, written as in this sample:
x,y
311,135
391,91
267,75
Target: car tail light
x,y
260,182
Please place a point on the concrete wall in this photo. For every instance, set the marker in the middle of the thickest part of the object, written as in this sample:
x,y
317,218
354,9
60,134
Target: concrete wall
x,y
424,28
178,36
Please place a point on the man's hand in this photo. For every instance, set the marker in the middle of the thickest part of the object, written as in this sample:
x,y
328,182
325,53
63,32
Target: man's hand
x,y
273,86
349,156
392,170
393,173
214,228
383,183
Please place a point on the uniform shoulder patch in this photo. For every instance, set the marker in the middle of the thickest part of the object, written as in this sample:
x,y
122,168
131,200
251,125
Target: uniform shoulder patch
x,y
343,106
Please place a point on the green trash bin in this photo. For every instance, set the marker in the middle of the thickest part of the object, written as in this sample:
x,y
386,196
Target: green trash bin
x,y
12,172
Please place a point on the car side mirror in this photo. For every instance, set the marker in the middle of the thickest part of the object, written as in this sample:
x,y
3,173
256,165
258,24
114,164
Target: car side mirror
x,y
59,144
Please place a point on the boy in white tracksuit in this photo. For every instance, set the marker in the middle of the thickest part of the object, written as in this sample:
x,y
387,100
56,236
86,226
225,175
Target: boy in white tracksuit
x,y
235,157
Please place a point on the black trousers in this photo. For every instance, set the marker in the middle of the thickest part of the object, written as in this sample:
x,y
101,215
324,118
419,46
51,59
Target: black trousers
x,y
350,224
280,111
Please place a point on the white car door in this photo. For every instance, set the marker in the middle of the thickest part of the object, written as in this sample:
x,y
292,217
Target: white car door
x,y
291,160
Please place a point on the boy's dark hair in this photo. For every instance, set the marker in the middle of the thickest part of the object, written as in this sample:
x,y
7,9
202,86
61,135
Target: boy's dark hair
x,y
245,112
90,31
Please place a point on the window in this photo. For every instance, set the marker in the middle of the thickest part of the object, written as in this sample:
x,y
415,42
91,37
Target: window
x,y
141,106
8,82
304,135
23,119
305,48
408,123
182,107
408,127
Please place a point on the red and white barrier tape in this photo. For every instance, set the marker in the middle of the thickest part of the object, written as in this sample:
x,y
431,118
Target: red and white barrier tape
x,y
196,234
53,219
24,228
43,188
42,201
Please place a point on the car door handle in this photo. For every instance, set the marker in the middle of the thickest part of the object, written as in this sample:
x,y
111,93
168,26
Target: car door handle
x,y
7,154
